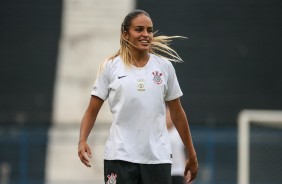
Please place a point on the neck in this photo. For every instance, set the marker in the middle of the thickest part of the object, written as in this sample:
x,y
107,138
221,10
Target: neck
x,y
141,58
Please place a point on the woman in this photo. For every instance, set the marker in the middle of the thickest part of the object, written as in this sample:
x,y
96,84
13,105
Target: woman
x,y
137,83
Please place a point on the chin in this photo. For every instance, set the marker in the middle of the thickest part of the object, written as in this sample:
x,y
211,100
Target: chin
x,y
144,48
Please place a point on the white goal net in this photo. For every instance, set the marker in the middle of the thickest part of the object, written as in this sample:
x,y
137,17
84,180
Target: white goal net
x,y
260,147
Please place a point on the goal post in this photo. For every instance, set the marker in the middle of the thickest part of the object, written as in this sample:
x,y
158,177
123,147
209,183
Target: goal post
x,y
272,118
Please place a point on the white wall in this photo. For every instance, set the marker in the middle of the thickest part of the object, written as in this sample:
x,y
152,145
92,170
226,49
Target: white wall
x,y
91,30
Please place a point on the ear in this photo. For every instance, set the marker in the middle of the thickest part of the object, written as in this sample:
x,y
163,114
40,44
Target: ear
x,y
125,35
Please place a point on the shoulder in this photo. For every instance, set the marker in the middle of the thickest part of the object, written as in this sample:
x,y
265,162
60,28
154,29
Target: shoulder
x,y
109,64
160,60
114,61
163,62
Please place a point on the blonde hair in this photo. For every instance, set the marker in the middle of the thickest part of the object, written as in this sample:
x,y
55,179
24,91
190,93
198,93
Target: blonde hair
x,y
159,44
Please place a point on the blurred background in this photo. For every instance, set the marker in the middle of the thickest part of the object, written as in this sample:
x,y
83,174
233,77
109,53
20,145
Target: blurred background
x,y
49,56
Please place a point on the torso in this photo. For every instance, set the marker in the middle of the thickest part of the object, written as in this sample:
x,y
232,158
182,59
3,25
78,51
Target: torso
x,y
137,100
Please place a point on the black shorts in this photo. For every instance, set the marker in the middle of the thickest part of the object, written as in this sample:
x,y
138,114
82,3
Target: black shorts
x,y
177,179
122,172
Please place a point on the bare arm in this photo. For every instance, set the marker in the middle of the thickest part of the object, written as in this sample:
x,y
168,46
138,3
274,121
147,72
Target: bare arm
x,y
180,121
86,126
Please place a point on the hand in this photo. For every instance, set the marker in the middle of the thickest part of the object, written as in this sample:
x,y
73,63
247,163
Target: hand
x,y
192,166
82,149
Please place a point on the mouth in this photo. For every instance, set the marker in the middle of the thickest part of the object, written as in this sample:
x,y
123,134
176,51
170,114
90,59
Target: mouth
x,y
145,42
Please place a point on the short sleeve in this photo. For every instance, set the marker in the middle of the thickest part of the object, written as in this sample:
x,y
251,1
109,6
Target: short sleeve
x,y
173,89
101,84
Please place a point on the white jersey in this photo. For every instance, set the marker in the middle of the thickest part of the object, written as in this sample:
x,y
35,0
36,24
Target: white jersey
x,y
136,97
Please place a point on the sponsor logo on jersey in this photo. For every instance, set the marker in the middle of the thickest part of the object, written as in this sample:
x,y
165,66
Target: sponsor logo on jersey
x,y
119,77
157,77
112,179
141,85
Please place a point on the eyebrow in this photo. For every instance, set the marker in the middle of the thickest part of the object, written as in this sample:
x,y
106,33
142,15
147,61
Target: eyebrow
x,y
141,27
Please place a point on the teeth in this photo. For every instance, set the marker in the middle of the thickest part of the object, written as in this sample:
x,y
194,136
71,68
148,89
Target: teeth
x,y
145,41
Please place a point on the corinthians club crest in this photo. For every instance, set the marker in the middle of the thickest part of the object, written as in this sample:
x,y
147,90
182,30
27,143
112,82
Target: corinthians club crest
x,y
157,77
112,179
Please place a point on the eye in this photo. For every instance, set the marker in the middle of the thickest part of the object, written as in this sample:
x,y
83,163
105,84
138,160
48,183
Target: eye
x,y
139,29
150,30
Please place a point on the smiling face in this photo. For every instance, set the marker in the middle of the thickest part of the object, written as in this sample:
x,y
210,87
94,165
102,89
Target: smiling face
x,y
140,33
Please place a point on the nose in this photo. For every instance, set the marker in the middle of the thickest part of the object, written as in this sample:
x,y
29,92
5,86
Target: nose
x,y
145,33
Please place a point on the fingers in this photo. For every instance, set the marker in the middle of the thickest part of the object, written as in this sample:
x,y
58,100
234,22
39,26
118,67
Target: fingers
x,y
186,171
192,167
88,152
192,176
85,160
84,154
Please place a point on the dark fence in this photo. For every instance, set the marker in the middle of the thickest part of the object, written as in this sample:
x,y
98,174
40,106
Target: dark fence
x,y
232,55
22,156
23,151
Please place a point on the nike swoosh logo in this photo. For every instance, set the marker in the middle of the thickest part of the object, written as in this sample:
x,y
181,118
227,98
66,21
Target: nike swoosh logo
x,y
119,77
